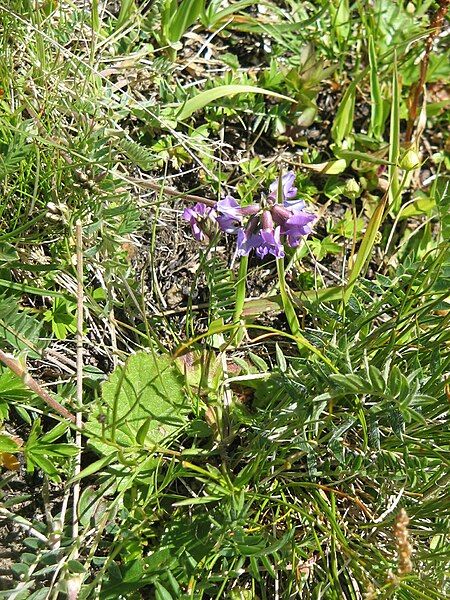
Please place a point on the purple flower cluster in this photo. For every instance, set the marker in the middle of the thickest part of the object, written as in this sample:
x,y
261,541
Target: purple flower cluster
x,y
266,222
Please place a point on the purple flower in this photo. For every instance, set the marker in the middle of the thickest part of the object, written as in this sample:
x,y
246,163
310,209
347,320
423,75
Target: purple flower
x,y
296,227
230,214
287,186
268,220
198,217
246,242
263,242
296,206
271,243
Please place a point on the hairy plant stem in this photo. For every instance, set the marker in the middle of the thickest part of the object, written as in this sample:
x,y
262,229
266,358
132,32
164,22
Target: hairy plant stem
x,y
15,366
79,388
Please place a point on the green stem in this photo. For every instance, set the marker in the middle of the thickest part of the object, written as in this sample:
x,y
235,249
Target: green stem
x,y
288,307
368,241
241,285
237,332
292,319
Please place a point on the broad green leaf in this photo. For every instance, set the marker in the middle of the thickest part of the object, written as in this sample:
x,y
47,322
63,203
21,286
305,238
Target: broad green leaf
x,y
146,395
7,444
183,17
322,248
422,205
201,368
207,96
376,379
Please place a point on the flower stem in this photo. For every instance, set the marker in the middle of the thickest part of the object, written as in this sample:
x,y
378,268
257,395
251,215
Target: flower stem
x,y
288,307
240,289
241,285
292,319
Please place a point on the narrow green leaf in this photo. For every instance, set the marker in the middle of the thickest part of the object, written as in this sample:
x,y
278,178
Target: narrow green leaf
x,y
258,362
234,7
55,433
94,467
376,379
183,17
143,431
161,593
362,156
195,501
281,360
343,121
394,142
331,167
207,96
376,117
127,11
366,247
341,20
350,383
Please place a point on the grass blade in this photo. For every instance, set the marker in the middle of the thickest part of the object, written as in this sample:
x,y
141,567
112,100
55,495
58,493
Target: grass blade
x,y
377,114
343,122
208,96
394,142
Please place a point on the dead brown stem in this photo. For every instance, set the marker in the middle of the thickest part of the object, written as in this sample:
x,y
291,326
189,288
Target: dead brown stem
x,y
15,366
146,183
416,90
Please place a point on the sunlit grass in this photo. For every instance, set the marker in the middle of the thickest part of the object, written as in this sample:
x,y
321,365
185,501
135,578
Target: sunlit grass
x,y
290,436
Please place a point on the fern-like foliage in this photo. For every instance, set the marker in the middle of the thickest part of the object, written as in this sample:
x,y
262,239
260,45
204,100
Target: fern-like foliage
x,y
138,154
18,329
221,288
13,151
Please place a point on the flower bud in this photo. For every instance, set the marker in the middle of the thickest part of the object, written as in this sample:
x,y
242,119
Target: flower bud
x,y
280,214
410,160
352,188
250,209
267,221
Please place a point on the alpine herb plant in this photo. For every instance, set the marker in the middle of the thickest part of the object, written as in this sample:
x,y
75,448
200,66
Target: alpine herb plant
x,y
278,218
